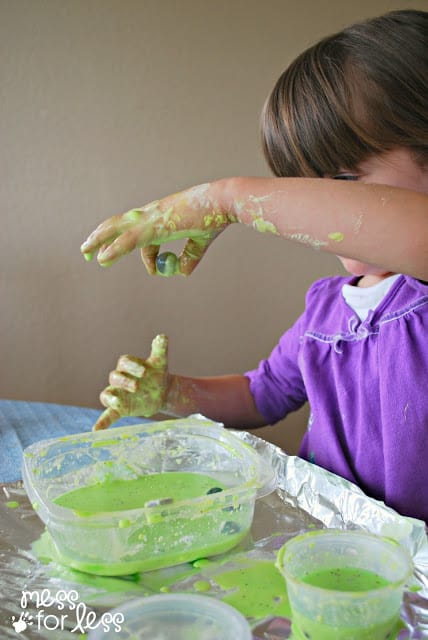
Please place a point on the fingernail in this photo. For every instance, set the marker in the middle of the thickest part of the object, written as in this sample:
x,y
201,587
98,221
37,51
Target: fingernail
x,y
103,259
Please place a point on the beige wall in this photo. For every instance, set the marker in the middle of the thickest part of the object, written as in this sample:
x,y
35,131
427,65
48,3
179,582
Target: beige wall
x,y
105,105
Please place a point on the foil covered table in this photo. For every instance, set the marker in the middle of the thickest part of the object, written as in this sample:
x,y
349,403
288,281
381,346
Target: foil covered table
x,y
305,497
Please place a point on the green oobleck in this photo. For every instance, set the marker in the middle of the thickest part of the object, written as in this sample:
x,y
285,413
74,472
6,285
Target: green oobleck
x,y
336,236
45,551
344,579
12,504
257,590
309,629
149,538
121,495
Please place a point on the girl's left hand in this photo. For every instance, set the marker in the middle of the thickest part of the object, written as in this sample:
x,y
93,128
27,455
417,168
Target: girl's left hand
x,y
137,387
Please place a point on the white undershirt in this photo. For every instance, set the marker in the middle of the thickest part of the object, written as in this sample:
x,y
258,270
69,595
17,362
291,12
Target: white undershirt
x,y
364,299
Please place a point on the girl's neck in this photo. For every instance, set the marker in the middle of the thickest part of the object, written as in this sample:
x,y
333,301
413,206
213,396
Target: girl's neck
x,y
371,279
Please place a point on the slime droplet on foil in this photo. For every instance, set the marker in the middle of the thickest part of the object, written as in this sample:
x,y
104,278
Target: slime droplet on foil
x,y
167,264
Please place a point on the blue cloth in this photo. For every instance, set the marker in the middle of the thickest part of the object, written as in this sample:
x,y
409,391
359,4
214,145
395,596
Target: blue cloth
x,y
22,423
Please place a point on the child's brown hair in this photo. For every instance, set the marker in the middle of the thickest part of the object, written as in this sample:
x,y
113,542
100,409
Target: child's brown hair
x,y
359,92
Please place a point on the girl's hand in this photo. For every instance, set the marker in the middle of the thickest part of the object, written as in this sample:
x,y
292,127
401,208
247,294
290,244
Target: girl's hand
x,y
192,214
137,387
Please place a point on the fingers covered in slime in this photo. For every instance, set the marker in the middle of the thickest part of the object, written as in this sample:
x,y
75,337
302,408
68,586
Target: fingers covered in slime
x,y
138,387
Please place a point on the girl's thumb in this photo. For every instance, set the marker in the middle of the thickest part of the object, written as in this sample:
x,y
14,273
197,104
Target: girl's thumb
x,y
159,352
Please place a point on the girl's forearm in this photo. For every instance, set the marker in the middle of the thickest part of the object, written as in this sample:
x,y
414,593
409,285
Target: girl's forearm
x,y
377,224
225,399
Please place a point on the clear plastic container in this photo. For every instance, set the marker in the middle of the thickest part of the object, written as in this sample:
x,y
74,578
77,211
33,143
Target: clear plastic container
x,y
344,585
175,617
160,532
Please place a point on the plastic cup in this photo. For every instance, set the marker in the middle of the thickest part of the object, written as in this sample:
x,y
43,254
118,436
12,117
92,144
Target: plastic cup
x,y
153,534
344,585
175,617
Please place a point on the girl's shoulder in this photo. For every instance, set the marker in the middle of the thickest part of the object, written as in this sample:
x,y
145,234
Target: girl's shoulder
x,y
330,287
324,305
421,285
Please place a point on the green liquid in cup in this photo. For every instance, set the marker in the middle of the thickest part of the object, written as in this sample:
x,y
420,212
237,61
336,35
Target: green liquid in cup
x,y
347,579
306,629
164,540
121,495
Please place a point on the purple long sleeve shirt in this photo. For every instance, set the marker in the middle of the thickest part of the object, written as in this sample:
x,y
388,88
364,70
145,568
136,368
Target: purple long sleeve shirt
x,y
367,387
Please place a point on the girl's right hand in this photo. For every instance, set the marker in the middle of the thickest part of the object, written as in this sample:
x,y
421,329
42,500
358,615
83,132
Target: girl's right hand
x,y
137,387
194,215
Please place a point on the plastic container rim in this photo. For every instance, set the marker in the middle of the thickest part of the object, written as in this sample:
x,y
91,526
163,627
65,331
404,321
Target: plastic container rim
x,y
63,514
191,602
281,563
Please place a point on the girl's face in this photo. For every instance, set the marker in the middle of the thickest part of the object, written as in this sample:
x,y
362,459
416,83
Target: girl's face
x,y
396,168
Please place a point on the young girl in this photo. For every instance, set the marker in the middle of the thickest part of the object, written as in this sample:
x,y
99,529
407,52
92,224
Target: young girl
x,y
345,131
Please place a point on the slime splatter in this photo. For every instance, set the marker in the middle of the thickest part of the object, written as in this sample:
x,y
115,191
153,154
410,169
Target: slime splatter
x,y
12,504
336,236
257,589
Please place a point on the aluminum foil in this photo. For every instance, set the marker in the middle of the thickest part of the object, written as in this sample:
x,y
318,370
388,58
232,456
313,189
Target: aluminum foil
x,y
304,497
